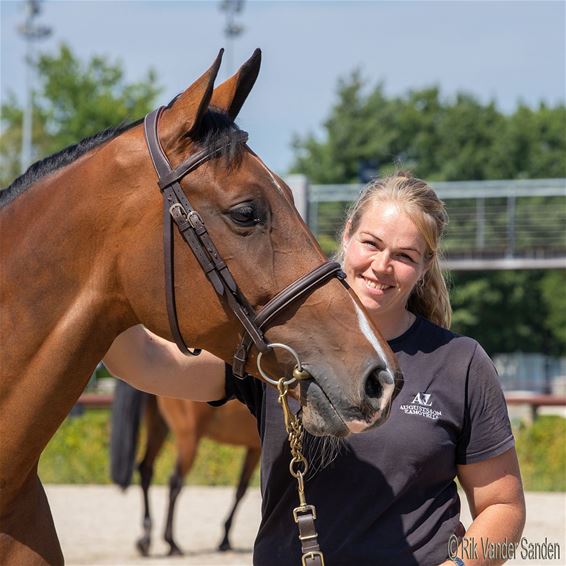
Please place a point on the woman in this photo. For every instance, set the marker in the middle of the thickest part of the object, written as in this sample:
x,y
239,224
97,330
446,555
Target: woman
x,y
389,495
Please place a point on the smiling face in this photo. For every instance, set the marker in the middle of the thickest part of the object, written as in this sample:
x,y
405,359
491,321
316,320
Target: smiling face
x,y
384,258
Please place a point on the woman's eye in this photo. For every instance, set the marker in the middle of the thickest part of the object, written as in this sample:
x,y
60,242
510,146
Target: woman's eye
x,y
244,215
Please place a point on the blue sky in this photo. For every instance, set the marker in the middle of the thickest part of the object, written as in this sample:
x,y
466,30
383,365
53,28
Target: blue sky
x,y
507,51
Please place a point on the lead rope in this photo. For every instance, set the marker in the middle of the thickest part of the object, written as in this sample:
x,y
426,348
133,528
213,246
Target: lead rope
x,y
304,515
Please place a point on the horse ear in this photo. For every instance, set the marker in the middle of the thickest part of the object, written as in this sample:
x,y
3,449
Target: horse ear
x,y
184,114
232,93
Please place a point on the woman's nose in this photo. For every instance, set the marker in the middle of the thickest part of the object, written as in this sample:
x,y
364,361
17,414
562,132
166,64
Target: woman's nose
x,y
381,262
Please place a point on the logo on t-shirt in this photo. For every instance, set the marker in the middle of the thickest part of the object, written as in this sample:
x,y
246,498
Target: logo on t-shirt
x,y
422,399
421,405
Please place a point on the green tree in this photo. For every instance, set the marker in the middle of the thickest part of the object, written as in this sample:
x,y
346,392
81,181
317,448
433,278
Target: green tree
x,y
437,138
369,127
467,131
552,288
531,144
511,311
73,100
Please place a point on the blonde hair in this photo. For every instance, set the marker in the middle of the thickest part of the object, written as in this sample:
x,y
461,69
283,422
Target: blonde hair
x,y
417,199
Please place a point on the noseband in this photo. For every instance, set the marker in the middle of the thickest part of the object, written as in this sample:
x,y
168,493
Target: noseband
x,y
176,206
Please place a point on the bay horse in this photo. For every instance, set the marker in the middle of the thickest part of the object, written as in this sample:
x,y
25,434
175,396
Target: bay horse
x,y
189,421
82,240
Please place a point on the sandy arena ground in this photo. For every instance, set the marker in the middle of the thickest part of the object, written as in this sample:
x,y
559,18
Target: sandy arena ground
x,y
98,525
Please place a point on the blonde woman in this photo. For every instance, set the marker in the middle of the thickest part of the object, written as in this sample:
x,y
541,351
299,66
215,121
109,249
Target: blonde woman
x,y
388,496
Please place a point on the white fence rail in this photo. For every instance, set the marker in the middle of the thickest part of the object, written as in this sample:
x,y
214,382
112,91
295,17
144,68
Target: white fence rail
x,y
517,224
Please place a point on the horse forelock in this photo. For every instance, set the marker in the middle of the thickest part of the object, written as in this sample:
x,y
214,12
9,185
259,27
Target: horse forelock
x,y
217,128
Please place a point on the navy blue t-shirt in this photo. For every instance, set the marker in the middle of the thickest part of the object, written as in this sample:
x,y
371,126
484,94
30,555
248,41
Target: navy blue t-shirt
x,y
388,496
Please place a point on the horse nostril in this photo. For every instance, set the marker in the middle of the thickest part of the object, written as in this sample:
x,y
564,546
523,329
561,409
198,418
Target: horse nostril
x,y
373,387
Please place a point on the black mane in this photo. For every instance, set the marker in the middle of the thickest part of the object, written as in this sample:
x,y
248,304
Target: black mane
x,y
215,127
59,160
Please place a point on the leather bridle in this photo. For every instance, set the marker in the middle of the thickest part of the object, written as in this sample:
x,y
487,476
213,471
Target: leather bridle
x,y
176,206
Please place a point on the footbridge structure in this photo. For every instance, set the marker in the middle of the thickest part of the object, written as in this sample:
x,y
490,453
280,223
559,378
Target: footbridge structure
x,y
516,224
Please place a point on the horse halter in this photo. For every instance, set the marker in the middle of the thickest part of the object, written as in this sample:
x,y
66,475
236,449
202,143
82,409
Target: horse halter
x,y
176,206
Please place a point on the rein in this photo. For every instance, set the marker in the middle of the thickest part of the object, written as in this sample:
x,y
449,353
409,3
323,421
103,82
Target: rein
x,y
177,208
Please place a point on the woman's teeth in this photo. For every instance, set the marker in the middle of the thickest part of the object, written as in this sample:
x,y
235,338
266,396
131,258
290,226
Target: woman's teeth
x,y
374,285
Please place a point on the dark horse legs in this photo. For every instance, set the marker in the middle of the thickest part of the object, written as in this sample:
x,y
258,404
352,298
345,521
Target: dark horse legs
x,y
250,462
156,433
187,435
175,486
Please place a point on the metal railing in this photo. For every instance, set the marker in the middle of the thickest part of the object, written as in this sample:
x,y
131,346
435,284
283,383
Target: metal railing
x,y
519,224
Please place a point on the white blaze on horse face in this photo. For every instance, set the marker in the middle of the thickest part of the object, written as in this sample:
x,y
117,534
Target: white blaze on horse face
x,y
273,179
371,337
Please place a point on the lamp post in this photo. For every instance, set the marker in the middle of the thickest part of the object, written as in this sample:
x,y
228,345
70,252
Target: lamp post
x,y
30,31
231,29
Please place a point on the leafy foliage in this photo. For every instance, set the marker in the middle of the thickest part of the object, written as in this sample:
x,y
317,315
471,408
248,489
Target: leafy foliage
x,y
438,138
542,454
73,100
509,311
552,288
79,453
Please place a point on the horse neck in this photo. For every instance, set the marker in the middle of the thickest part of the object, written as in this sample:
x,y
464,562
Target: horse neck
x,y
60,273
60,301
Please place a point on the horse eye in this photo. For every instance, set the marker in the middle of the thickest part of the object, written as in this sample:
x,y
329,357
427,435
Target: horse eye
x,y
244,215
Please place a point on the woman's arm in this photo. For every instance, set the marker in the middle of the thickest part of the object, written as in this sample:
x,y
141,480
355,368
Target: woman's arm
x,y
496,499
155,365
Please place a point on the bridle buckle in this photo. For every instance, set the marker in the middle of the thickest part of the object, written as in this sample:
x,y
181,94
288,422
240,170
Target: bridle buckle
x,y
179,207
194,219
310,557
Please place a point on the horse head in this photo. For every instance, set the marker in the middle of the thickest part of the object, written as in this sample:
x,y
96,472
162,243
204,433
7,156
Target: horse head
x,y
248,212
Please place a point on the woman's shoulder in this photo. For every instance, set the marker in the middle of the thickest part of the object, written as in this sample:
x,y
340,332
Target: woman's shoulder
x,y
427,338
458,345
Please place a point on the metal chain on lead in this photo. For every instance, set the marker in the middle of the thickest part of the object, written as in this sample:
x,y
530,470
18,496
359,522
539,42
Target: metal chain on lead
x,y
298,467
